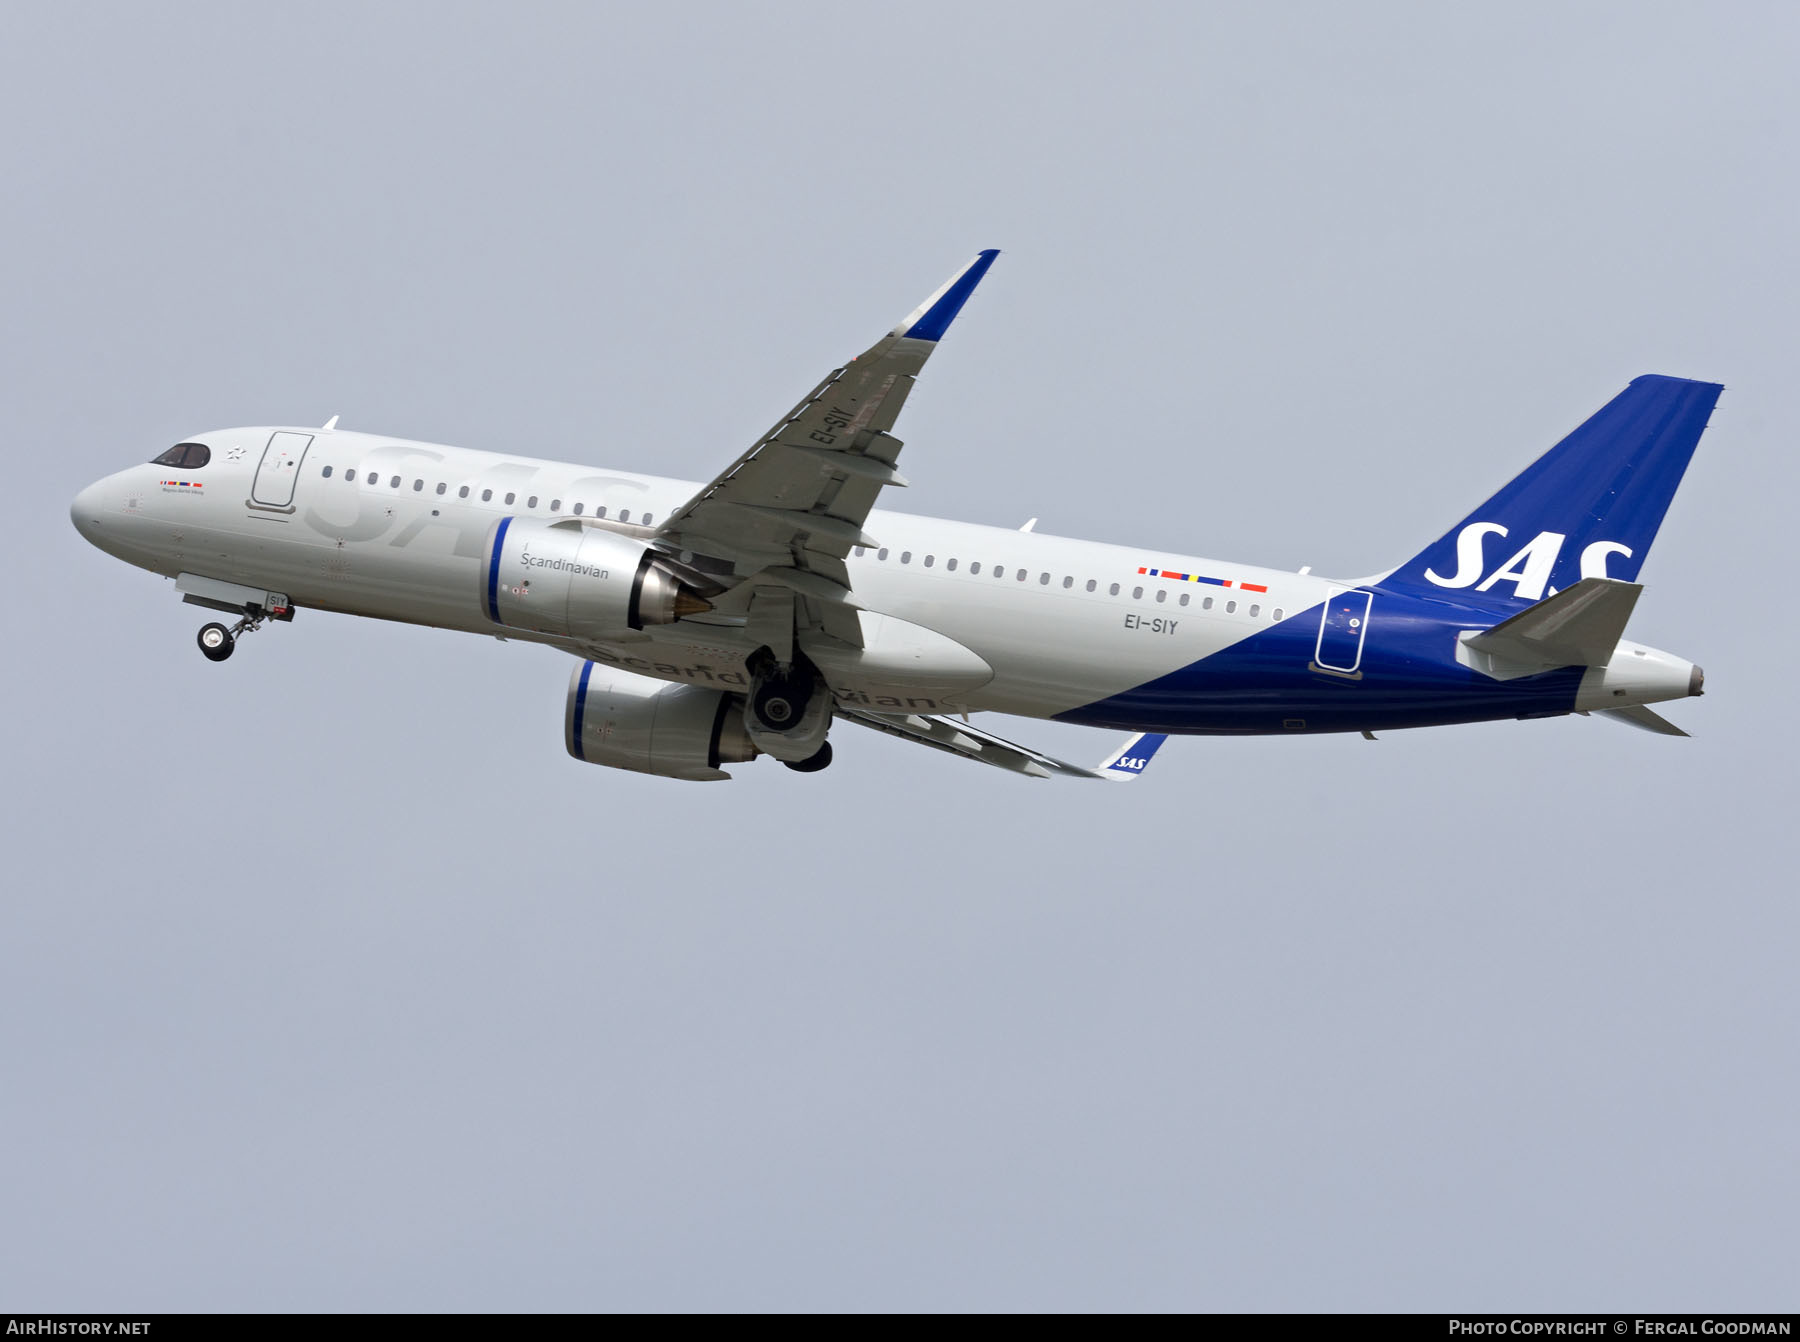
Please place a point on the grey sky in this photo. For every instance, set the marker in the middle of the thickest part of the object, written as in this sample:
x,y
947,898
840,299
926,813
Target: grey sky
x,y
333,983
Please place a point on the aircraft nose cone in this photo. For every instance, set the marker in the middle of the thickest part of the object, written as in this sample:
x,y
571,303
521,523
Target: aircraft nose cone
x,y
85,511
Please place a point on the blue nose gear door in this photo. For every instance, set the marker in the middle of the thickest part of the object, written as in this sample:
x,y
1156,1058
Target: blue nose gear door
x,y
1343,625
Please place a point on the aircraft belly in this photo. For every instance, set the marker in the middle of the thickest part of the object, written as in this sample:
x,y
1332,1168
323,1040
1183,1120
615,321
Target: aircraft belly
x,y
1054,651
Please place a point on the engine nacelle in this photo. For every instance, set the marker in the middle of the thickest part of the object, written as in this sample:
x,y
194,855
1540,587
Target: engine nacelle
x,y
650,726
577,581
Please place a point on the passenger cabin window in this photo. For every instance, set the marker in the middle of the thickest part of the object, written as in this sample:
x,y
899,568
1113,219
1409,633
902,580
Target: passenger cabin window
x,y
975,568
624,514
418,485
600,511
394,483
185,457
950,564
1091,584
578,508
1184,598
463,493
1278,612
929,560
1137,594
510,496
326,473
1113,590
556,505
906,556
442,487
486,495
531,502
1162,594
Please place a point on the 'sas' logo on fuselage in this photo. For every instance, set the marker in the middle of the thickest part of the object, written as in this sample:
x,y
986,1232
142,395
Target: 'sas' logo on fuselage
x,y
1529,570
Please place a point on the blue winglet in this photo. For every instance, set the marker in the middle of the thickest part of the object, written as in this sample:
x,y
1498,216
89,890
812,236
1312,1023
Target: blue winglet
x,y
1132,758
932,318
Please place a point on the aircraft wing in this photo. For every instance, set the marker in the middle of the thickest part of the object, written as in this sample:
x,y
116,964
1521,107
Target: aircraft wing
x,y
786,513
956,737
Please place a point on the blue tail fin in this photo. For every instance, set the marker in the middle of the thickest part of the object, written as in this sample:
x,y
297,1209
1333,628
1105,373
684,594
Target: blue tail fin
x,y
1587,508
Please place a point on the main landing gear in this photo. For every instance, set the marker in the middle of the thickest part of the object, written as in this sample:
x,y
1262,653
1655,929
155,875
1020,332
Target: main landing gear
x,y
812,764
788,711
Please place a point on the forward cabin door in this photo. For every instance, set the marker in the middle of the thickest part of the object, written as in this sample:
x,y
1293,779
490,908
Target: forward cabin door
x,y
279,470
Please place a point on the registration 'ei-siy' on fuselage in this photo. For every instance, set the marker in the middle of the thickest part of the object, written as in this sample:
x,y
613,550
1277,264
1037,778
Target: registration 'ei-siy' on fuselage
x,y
715,622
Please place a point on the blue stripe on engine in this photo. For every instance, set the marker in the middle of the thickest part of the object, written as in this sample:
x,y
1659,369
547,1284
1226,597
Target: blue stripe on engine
x,y
494,570
587,669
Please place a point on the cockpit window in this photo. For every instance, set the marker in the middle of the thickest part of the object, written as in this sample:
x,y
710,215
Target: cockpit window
x,y
185,457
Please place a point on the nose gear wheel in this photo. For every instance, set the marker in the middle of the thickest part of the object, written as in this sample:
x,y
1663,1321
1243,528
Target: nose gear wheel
x,y
216,642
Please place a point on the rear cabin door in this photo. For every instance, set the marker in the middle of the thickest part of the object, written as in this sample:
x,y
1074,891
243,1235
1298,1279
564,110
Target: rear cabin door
x,y
1343,625
279,469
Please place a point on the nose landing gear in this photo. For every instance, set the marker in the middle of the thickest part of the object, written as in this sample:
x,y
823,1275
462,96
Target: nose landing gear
x,y
218,642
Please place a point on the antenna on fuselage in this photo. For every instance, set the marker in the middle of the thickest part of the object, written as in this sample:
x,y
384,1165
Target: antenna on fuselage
x,y
330,424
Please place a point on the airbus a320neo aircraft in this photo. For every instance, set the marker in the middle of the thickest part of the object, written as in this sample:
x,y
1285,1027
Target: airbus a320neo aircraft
x,y
715,622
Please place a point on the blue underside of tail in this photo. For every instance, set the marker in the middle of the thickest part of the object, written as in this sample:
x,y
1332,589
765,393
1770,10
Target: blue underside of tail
x,y
1269,683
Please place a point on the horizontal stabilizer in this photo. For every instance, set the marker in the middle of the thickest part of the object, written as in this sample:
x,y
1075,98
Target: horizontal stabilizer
x,y
1578,627
1642,718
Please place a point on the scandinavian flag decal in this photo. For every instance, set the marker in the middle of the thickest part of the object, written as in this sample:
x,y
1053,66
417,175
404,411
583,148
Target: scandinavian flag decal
x,y
1172,576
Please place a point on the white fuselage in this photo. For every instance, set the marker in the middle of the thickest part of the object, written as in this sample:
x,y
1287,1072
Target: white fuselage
x,y
395,530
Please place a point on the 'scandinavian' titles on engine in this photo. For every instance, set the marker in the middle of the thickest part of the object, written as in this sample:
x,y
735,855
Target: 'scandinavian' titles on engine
x,y
574,580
